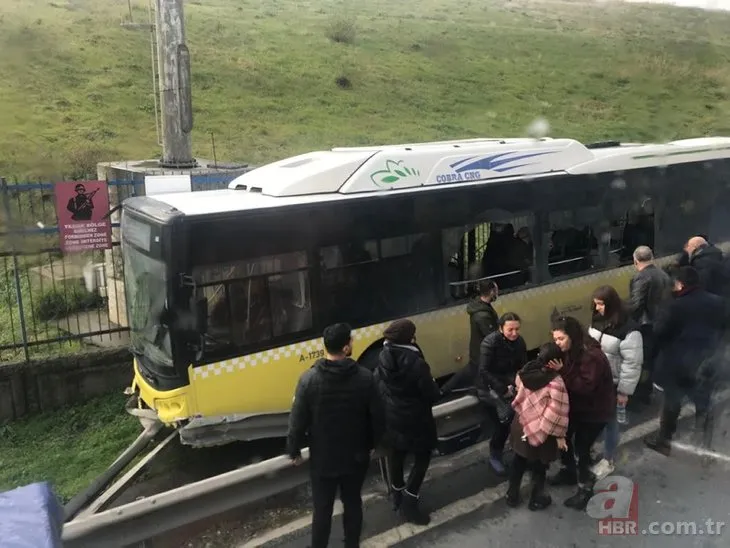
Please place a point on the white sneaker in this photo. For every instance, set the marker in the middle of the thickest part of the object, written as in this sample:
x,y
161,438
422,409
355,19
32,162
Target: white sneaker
x,y
602,469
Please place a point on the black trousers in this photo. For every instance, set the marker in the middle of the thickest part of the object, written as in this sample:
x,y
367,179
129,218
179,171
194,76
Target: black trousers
x,y
324,490
644,388
519,466
501,430
700,394
580,438
396,460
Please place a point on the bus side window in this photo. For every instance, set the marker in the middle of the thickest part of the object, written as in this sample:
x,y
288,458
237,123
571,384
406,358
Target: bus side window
x,y
219,318
496,251
638,229
345,272
572,243
291,307
390,277
253,301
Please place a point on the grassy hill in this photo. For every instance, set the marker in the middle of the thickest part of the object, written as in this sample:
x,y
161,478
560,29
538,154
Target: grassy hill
x,y
75,86
275,78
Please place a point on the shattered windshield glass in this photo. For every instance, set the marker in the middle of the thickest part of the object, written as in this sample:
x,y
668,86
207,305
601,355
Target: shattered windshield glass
x,y
145,285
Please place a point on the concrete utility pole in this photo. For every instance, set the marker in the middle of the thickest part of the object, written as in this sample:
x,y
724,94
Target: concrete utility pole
x,y
173,60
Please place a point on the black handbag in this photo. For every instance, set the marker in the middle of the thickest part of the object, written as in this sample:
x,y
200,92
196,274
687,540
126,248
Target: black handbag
x,y
505,413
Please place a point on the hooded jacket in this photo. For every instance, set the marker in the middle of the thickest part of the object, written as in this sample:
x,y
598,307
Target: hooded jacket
x,y
708,261
338,413
541,404
483,320
408,392
624,347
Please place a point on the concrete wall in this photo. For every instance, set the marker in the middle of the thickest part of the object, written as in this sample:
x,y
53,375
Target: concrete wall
x,y
45,385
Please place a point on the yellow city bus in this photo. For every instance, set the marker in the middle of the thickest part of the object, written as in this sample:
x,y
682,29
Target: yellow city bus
x,y
228,291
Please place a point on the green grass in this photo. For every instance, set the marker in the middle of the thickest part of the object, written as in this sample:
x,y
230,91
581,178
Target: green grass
x,y
75,86
69,447
75,89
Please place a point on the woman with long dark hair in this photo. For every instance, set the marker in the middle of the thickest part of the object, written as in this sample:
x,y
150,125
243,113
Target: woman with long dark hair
x,y
621,342
501,355
587,376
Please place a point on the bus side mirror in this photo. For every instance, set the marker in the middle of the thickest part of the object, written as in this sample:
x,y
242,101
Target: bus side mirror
x,y
201,315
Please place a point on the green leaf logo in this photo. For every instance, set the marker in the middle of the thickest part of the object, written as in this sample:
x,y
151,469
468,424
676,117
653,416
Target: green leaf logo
x,y
393,172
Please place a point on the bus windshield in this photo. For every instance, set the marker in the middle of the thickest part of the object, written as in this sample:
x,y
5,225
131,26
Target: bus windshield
x,y
146,291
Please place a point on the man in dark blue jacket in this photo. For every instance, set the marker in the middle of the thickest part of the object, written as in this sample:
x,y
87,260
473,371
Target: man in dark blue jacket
x,y
687,335
337,411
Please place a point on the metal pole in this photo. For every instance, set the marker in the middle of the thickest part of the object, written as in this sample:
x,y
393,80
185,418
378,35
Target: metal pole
x,y
75,505
174,80
16,273
155,69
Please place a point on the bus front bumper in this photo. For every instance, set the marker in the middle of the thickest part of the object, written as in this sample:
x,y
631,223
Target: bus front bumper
x,y
170,406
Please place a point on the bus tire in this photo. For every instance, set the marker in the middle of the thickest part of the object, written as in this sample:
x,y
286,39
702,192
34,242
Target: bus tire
x,y
371,357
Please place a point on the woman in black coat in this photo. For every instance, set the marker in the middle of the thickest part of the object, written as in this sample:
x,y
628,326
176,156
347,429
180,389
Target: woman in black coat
x,y
409,392
502,354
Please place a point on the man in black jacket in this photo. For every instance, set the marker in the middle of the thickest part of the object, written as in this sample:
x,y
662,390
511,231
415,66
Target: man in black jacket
x,y
648,289
483,320
336,406
688,332
709,263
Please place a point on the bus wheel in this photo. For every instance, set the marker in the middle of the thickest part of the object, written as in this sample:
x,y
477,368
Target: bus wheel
x,y
370,358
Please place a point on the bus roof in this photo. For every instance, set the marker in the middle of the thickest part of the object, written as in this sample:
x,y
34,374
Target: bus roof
x,y
343,173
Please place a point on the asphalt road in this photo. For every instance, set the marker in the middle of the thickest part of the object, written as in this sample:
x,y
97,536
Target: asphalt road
x,y
683,502
466,499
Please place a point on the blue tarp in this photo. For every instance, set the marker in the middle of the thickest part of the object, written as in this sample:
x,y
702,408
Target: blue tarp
x,y
30,517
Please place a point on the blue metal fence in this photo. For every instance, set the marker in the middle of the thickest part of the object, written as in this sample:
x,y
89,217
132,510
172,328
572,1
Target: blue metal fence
x,y
51,303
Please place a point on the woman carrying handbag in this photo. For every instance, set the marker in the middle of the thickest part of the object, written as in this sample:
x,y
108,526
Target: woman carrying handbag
x,y
502,354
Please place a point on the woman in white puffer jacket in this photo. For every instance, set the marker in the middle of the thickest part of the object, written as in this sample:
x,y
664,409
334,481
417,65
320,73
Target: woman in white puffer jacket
x,y
622,344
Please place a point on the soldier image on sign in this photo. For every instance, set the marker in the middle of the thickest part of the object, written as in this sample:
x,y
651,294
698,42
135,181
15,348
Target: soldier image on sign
x,y
81,206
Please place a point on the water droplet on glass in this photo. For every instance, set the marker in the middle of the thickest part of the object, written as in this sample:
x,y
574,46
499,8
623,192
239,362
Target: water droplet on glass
x,y
539,128
618,184
688,206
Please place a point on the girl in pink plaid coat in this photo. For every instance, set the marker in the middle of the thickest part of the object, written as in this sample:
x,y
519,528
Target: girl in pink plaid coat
x,y
539,430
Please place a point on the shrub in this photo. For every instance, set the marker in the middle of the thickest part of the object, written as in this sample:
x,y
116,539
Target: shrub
x,y
342,31
57,303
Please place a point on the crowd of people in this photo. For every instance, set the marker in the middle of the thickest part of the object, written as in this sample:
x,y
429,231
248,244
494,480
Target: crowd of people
x,y
666,337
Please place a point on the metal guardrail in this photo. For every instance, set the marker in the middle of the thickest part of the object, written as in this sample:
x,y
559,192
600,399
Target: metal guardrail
x,y
152,516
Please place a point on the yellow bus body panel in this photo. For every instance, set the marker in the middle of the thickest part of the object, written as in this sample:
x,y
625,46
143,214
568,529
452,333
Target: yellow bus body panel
x,y
171,405
264,382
